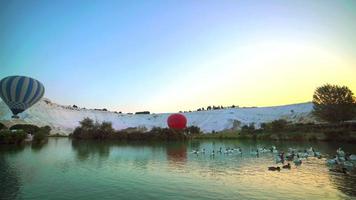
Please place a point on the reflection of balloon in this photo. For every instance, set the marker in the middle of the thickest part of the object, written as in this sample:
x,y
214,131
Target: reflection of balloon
x,y
20,92
177,121
177,153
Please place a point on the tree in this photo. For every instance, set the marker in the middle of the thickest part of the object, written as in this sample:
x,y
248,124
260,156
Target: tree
x,y
334,103
87,123
106,128
279,125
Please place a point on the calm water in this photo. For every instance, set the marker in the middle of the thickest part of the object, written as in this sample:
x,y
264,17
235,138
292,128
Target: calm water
x,y
66,169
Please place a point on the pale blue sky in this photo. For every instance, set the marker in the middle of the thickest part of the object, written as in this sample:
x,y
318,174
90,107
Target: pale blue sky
x,y
168,56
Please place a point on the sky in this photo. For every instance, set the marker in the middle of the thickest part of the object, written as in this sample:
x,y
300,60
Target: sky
x,y
167,56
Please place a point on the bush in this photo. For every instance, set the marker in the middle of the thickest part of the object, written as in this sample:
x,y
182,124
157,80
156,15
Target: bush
x,y
41,134
87,124
12,137
248,128
279,125
192,130
28,128
90,130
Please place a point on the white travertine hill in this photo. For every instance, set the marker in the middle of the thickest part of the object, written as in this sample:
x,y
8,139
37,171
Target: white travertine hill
x,y
63,119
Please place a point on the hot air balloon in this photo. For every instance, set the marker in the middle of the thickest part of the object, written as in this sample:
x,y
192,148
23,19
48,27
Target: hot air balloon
x,y
177,121
20,93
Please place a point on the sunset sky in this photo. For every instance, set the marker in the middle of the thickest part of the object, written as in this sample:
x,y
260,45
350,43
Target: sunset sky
x,y
166,56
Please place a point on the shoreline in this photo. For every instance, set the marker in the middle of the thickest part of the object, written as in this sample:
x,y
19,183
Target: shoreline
x,y
347,136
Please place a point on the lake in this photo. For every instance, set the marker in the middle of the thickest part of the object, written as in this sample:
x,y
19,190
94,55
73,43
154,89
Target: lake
x,y
67,169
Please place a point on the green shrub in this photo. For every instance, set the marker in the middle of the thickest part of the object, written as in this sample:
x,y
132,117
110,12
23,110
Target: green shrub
x,y
28,128
41,134
248,128
87,124
192,130
12,137
279,125
90,130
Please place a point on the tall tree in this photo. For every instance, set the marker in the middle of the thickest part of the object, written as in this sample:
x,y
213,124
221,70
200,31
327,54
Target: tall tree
x,y
334,103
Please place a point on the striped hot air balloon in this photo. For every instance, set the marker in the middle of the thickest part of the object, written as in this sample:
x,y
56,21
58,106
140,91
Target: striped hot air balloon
x,y
20,92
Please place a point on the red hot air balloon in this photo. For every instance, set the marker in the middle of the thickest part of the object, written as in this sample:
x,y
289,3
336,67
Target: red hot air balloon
x,y
177,121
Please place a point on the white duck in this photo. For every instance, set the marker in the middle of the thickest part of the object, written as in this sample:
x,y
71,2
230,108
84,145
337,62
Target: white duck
x,y
195,151
333,161
340,152
255,153
303,155
212,153
238,151
278,159
348,165
274,149
291,150
297,161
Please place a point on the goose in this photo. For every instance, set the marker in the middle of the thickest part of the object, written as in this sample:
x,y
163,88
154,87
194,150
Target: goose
x,y
274,149
317,154
303,155
348,165
263,150
310,152
212,153
195,151
291,150
341,158
280,158
239,151
340,152
274,168
287,166
333,161
290,156
352,157
203,151
255,153
297,161
220,150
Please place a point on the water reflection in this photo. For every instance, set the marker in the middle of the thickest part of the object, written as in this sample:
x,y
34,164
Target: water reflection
x,y
98,170
87,149
177,153
344,183
36,147
11,149
10,184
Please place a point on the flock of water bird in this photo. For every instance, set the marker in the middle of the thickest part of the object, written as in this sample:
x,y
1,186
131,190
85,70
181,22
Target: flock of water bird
x,y
341,163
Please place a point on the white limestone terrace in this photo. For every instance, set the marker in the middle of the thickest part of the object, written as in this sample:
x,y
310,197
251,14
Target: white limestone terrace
x,y
63,119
